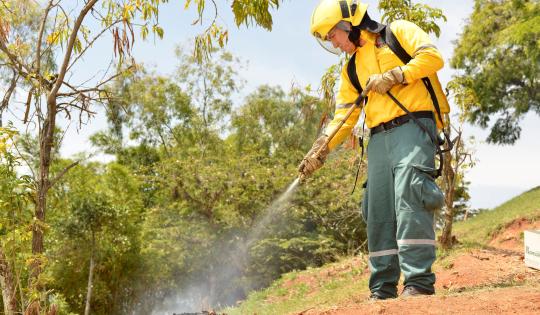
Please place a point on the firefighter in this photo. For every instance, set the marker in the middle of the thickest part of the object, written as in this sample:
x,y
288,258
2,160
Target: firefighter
x,y
400,195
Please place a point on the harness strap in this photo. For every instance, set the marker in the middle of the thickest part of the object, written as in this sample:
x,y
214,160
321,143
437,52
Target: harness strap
x,y
361,144
393,43
351,72
353,77
433,137
398,121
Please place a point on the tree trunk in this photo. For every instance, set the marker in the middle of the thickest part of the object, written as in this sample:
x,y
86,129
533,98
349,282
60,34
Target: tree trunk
x,y
90,279
46,137
45,149
7,96
449,176
446,235
9,294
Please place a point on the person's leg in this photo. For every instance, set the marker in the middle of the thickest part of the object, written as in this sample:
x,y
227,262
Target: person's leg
x,y
416,198
378,212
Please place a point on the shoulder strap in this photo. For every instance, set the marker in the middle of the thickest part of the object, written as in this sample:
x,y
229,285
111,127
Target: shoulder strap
x,y
351,72
391,40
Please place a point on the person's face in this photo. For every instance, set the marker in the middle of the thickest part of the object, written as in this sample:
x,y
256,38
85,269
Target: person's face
x,y
340,39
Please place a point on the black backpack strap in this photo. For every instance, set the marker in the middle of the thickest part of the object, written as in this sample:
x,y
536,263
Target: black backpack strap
x,y
391,40
351,72
353,77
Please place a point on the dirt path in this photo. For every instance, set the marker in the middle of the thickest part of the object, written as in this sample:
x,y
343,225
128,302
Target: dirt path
x,y
493,280
514,300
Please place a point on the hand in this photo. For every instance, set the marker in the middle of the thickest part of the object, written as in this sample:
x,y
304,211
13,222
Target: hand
x,y
311,161
382,83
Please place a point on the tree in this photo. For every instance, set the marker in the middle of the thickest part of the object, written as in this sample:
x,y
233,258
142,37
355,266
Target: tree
x,y
63,35
48,83
455,162
499,61
94,244
91,213
23,19
17,199
210,85
246,12
215,179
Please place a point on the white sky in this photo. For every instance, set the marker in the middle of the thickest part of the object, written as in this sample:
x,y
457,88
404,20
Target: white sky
x,y
289,54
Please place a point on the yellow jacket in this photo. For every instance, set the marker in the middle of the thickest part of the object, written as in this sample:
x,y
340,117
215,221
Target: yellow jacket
x,y
370,59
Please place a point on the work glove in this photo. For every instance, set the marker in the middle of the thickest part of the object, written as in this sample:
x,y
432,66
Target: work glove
x,y
311,162
382,83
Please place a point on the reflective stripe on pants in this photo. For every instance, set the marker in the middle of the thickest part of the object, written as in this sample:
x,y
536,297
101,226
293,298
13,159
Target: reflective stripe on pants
x,y
387,252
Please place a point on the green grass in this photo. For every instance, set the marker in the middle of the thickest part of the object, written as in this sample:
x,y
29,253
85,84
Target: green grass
x,y
480,229
351,286
329,290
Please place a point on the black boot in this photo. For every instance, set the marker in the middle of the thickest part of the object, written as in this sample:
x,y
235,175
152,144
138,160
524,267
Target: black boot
x,y
411,290
376,297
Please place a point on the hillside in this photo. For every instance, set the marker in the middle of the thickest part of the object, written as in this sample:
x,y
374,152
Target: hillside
x,y
483,274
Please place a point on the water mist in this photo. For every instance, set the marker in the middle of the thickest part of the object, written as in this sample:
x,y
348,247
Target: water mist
x,y
197,297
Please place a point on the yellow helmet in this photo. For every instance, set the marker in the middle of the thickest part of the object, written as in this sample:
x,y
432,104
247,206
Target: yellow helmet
x,y
330,12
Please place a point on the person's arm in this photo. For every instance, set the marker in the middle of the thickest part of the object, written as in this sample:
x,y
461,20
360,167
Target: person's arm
x,y
345,98
426,58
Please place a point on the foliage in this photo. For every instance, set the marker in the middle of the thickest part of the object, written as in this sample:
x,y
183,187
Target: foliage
x,y
97,211
421,14
254,12
328,84
17,193
207,191
210,85
186,201
498,55
246,12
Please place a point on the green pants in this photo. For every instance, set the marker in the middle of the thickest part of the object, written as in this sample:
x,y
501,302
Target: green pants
x,y
398,207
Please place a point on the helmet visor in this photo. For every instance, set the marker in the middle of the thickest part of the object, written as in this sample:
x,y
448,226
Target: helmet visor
x,y
327,45
325,41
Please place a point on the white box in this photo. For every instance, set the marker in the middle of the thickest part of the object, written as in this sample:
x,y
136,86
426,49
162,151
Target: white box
x,y
532,249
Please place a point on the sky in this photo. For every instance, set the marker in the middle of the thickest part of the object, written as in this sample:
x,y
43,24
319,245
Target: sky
x,y
289,55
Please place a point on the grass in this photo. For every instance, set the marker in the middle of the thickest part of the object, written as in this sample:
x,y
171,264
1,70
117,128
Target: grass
x,y
480,229
320,291
327,288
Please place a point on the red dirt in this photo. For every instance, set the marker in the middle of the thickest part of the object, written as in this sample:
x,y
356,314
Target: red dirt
x,y
481,281
494,301
512,236
483,268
